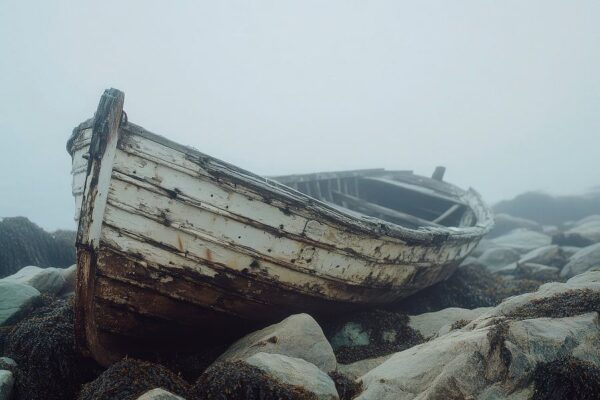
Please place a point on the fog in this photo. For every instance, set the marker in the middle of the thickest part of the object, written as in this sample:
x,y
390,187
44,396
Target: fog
x,y
506,94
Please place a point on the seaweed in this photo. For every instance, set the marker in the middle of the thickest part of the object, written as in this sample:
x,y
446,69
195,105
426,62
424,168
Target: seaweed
x,y
562,305
130,378
346,387
471,286
461,323
43,347
237,380
388,332
566,378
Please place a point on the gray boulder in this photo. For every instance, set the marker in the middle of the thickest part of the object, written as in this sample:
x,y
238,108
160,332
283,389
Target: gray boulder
x,y
522,240
569,251
46,280
483,245
495,355
429,324
588,228
551,255
16,299
496,258
159,394
583,260
297,336
504,223
359,368
296,372
537,272
70,276
7,382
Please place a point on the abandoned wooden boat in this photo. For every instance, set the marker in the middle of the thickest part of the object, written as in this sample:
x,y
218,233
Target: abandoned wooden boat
x,y
173,243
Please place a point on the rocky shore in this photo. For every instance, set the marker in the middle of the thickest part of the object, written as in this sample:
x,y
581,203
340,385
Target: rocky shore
x,y
517,320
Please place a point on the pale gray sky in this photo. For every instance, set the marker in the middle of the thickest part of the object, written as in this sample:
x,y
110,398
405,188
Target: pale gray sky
x,y
505,94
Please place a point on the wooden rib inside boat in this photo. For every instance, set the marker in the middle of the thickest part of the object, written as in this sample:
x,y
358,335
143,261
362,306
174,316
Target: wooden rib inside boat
x,y
174,245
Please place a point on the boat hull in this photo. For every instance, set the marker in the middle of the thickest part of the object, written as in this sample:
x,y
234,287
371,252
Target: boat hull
x,y
174,244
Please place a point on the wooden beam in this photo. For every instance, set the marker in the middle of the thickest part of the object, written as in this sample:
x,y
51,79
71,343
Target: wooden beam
x,y
446,213
417,189
383,211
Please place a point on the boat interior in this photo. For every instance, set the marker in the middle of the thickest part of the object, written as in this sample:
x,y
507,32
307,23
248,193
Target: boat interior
x,y
399,197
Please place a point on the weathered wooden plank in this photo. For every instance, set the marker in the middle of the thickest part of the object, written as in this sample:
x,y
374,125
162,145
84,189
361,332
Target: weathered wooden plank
x,y
208,195
447,213
223,256
388,212
418,189
103,146
285,179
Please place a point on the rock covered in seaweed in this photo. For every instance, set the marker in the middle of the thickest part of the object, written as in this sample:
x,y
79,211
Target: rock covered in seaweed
x,y
43,347
238,380
496,355
24,243
129,378
370,334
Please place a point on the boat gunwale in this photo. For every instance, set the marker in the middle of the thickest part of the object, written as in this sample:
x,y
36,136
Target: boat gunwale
x,y
372,226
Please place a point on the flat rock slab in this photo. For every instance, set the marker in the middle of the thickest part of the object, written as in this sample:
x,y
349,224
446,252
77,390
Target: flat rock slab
x,y
295,372
429,324
298,336
15,299
359,368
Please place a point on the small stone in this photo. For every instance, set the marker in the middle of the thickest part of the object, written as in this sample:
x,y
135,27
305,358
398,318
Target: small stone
x,y
159,394
351,334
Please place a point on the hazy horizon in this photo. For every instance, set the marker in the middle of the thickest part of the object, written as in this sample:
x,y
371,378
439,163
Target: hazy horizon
x,y
505,95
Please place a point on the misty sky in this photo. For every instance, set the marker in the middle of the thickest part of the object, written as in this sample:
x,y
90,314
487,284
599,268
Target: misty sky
x,y
505,94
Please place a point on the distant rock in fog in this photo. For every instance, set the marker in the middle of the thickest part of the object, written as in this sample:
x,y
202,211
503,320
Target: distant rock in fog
x,y
24,243
549,210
